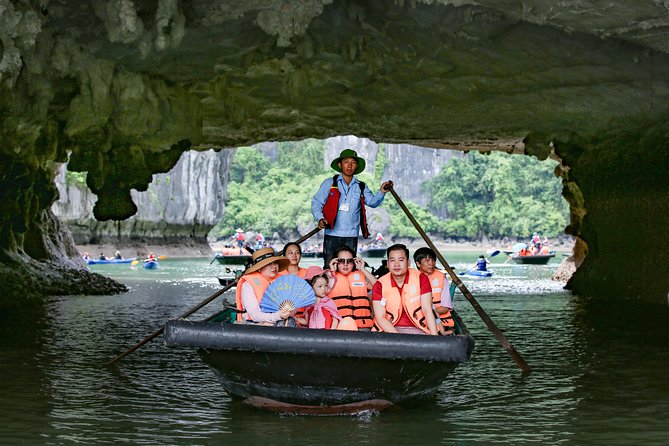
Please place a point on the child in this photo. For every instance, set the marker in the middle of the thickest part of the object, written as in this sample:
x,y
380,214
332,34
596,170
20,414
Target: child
x,y
323,314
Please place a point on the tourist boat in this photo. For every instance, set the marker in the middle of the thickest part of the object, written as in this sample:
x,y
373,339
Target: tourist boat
x,y
538,259
108,261
150,264
296,370
374,251
312,254
232,256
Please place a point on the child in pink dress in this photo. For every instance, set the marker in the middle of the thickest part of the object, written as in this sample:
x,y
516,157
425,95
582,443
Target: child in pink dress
x,y
323,314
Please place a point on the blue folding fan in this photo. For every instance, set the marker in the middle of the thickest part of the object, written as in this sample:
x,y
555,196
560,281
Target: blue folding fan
x,y
289,290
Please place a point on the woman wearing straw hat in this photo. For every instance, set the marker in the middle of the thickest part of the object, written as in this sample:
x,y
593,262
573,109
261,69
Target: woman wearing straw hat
x,y
264,268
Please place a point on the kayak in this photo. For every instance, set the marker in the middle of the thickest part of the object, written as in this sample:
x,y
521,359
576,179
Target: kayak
x,y
300,370
477,273
108,261
151,264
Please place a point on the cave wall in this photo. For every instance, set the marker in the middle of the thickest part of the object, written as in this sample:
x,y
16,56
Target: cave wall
x,y
126,87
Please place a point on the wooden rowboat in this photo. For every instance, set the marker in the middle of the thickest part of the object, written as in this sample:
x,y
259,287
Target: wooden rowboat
x,y
300,370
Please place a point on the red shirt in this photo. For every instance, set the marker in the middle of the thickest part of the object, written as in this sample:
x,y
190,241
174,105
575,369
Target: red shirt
x,y
425,287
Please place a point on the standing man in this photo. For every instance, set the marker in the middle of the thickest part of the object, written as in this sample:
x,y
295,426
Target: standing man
x,y
339,204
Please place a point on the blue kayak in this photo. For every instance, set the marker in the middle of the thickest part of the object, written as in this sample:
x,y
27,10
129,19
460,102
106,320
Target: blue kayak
x,y
477,273
151,264
108,261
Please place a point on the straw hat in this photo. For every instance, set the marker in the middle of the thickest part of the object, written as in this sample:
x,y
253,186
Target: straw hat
x,y
264,257
239,230
348,153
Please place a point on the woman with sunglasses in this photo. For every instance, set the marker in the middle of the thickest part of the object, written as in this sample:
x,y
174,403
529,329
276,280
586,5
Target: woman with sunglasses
x,y
352,285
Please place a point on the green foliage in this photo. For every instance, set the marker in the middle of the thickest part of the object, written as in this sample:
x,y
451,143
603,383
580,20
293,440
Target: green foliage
x,y
494,196
498,195
76,178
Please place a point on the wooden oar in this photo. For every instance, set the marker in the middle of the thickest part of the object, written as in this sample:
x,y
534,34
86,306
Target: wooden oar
x,y
520,362
192,310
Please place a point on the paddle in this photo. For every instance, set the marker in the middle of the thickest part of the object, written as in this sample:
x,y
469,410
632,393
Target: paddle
x,y
520,362
192,310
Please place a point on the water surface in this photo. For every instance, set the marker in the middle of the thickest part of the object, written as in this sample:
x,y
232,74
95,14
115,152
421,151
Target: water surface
x,y
600,372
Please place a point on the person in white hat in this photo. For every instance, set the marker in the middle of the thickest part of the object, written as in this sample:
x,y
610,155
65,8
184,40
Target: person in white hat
x,y
339,204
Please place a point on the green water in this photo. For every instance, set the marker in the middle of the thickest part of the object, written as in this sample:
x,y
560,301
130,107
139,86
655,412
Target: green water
x,y
600,372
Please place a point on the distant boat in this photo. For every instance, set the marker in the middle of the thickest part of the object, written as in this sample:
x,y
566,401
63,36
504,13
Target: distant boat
x,y
150,264
374,251
538,259
232,256
313,254
477,274
108,261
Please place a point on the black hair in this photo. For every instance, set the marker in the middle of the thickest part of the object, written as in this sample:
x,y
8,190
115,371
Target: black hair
x,y
339,249
398,247
285,248
423,253
318,276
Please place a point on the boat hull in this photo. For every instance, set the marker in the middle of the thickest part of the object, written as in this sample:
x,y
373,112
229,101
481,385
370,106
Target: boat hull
x,y
478,274
151,264
533,260
233,260
322,367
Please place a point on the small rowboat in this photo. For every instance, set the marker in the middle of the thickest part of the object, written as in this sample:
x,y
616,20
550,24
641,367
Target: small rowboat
x,y
298,370
538,259
108,261
233,256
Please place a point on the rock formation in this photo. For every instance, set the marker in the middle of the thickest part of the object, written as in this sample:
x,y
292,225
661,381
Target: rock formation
x,y
180,207
125,87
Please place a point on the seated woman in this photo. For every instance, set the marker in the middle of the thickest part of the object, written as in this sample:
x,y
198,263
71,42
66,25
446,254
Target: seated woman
x,y
264,268
294,254
352,286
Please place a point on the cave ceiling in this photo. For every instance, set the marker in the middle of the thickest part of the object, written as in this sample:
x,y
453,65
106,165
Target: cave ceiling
x,y
126,86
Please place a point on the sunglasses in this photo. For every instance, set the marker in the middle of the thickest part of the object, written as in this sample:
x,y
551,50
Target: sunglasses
x,y
344,261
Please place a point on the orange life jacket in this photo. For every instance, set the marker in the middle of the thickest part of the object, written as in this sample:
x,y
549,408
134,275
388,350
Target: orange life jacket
x,y
301,273
352,299
438,282
259,284
408,302
332,206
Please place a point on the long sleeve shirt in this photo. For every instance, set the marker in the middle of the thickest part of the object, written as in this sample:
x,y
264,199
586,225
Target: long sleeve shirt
x,y
252,307
347,223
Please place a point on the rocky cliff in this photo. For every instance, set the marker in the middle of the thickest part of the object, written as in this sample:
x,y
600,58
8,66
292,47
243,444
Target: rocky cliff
x,y
179,207
125,87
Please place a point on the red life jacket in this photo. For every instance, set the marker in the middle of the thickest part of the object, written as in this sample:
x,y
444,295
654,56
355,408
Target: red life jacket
x,y
332,206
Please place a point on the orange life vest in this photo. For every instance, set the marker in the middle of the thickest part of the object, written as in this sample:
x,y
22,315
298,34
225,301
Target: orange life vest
x,y
408,302
259,284
352,299
332,206
301,273
438,282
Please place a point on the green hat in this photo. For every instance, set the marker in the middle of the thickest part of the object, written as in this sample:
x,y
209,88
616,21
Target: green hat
x,y
348,153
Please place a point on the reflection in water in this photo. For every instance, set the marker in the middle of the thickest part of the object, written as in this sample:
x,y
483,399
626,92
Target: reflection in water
x,y
599,373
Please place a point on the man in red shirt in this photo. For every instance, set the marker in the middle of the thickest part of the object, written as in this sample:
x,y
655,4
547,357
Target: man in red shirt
x,y
402,299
